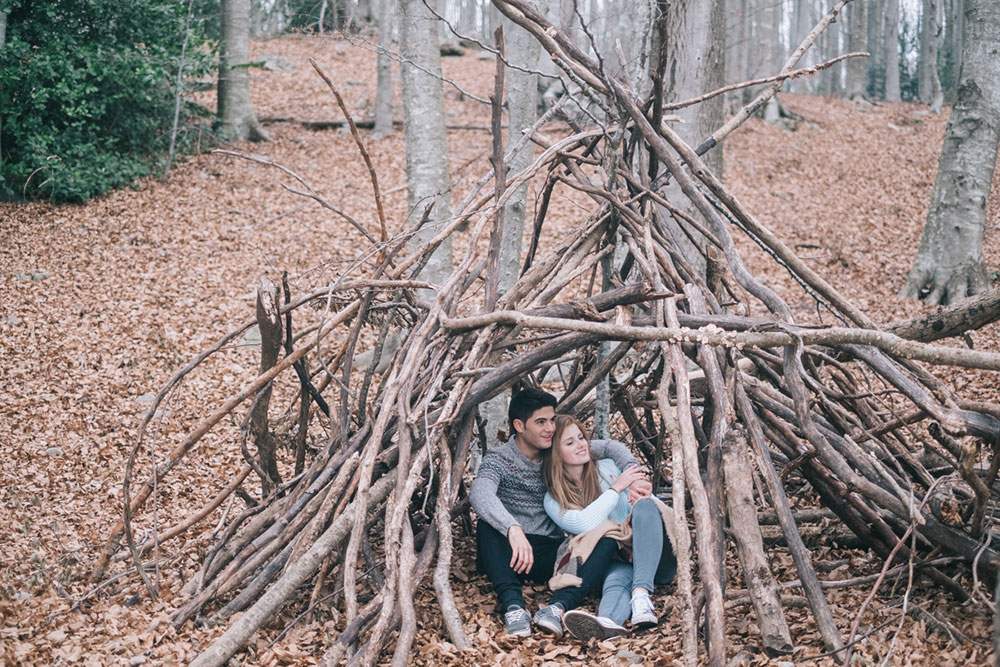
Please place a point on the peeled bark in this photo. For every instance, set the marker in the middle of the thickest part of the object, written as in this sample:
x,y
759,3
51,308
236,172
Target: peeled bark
x,y
949,264
237,120
269,325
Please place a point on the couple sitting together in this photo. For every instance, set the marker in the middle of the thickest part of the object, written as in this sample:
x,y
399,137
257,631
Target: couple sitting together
x,y
548,484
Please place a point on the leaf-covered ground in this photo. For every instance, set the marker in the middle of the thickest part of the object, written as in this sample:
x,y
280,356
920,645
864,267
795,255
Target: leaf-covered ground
x,y
101,303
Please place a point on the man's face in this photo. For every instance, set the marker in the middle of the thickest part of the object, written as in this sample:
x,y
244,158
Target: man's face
x,y
537,431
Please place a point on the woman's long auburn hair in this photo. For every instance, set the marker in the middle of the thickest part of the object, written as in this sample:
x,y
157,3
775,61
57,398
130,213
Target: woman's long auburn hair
x,y
558,482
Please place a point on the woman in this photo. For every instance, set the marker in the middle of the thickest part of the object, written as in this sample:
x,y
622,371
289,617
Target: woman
x,y
581,494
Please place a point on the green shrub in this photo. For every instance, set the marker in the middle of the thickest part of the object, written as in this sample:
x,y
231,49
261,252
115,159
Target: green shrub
x,y
87,92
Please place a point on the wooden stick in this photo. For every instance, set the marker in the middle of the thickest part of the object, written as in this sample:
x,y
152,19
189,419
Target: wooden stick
x,y
709,566
756,571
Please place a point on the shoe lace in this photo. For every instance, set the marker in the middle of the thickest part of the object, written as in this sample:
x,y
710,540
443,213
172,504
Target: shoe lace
x,y
515,615
642,604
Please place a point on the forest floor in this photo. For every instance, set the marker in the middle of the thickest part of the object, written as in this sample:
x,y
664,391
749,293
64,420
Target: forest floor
x,y
100,303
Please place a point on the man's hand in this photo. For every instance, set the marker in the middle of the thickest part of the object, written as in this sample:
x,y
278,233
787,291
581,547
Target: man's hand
x,y
523,557
641,488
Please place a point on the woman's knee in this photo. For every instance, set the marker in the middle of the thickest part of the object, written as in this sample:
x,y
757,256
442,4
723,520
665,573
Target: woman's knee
x,y
645,508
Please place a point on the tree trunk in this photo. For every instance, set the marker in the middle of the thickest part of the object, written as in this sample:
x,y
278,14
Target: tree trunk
x,y
803,21
383,85
827,46
876,61
427,175
949,264
736,37
522,103
467,23
857,68
236,118
956,28
750,33
364,13
695,56
767,38
522,50
930,38
891,42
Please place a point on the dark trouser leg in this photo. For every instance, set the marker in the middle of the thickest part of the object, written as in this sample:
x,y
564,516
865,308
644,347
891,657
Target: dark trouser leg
x,y
592,573
493,556
667,568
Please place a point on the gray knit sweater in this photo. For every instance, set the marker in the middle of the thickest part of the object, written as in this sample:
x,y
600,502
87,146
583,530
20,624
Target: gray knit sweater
x,y
508,489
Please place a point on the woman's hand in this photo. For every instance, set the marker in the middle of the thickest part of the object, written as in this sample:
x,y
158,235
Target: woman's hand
x,y
639,489
626,479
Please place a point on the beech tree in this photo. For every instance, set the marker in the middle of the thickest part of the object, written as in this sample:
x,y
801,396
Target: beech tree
x,y
237,119
857,74
949,263
892,92
383,85
929,84
427,176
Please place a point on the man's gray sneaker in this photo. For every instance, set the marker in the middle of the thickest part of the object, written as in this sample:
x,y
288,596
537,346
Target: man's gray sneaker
x,y
585,626
549,618
643,613
516,622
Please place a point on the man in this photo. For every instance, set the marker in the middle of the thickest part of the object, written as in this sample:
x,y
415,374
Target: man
x,y
515,539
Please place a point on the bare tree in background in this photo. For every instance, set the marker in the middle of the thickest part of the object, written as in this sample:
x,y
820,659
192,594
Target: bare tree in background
x,y
692,40
949,264
802,22
522,50
767,49
237,120
954,29
383,84
857,68
891,45
427,176
929,85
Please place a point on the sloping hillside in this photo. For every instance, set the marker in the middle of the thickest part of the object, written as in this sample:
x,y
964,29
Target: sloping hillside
x,y
101,303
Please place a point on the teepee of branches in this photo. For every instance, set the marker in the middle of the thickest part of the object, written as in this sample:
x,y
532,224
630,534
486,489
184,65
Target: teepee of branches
x,y
715,400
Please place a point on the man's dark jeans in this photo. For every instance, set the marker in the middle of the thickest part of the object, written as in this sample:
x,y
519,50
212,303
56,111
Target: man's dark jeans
x,y
493,554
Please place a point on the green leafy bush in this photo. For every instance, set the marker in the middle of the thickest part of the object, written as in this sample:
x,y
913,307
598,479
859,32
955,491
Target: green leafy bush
x,y
87,92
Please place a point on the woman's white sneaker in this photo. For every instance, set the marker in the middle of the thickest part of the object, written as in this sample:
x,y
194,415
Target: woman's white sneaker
x,y
585,626
643,612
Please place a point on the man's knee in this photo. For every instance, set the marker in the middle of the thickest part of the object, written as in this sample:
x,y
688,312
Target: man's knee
x,y
491,545
604,549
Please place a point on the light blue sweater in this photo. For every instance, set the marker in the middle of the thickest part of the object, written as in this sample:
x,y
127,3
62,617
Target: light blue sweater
x,y
608,505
